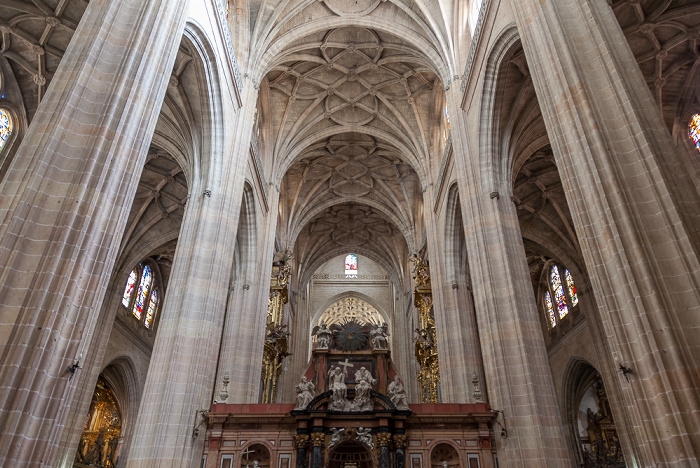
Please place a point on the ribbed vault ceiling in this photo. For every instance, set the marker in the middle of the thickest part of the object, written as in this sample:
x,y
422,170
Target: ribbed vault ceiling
x,y
351,109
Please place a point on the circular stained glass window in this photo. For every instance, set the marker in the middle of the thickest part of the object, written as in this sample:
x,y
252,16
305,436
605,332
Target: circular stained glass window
x,y
694,130
5,127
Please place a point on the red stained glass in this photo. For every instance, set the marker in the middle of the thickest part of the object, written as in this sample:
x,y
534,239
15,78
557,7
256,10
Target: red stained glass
x,y
129,289
351,265
144,286
570,286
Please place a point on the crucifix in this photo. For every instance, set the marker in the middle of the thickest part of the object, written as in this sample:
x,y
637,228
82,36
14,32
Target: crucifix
x,y
346,364
247,452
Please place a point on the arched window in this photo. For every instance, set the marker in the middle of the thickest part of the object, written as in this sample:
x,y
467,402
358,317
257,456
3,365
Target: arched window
x,y
141,295
694,130
559,294
5,127
351,265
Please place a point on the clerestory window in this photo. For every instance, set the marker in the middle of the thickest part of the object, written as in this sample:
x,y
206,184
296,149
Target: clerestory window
x,y
141,295
560,295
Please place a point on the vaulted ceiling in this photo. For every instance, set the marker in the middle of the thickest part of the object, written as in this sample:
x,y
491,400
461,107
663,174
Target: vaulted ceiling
x,y
35,35
664,36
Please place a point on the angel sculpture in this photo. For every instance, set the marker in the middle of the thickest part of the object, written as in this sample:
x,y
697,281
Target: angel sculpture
x,y
337,436
363,436
323,336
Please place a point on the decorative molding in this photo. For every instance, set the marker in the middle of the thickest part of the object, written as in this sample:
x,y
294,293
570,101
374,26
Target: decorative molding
x,y
443,167
259,169
475,43
233,63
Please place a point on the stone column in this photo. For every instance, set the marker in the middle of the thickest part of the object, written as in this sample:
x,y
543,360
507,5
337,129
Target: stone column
x,y
635,213
66,199
302,441
400,443
318,439
383,439
180,380
516,366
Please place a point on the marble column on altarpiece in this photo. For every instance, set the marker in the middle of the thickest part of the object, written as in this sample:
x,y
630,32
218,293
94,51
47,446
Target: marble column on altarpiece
x,y
516,366
66,198
635,213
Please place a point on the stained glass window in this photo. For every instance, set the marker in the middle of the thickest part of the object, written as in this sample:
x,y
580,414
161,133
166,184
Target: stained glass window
x,y
550,309
5,127
129,289
152,304
144,285
351,265
559,292
570,286
694,130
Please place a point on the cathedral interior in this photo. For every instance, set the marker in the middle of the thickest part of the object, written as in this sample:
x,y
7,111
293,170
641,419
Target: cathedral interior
x,y
350,233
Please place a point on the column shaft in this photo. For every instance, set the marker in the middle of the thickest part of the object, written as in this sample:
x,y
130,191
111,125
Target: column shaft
x,y
180,381
66,199
516,366
632,205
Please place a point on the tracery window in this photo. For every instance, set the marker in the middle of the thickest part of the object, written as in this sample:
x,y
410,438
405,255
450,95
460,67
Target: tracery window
x,y
560,295
141,295
5,127
351,265
694,130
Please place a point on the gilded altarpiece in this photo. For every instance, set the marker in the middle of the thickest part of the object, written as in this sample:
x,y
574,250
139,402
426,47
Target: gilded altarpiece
x,y
276,334
426,338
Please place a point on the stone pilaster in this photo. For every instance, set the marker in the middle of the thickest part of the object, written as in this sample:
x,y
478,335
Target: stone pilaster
x,y
66,199
516,366
632,206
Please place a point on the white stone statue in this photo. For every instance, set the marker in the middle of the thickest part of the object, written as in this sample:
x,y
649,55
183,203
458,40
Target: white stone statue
x,y
379,336
363,436
363,384
336,384
337,437
305,393
323,336
397,394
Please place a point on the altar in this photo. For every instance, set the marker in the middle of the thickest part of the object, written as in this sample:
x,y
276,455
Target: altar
x,y
351,412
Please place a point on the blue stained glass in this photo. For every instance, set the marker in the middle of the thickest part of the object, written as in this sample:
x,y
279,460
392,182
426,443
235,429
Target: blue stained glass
x,y
694,130
5,127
